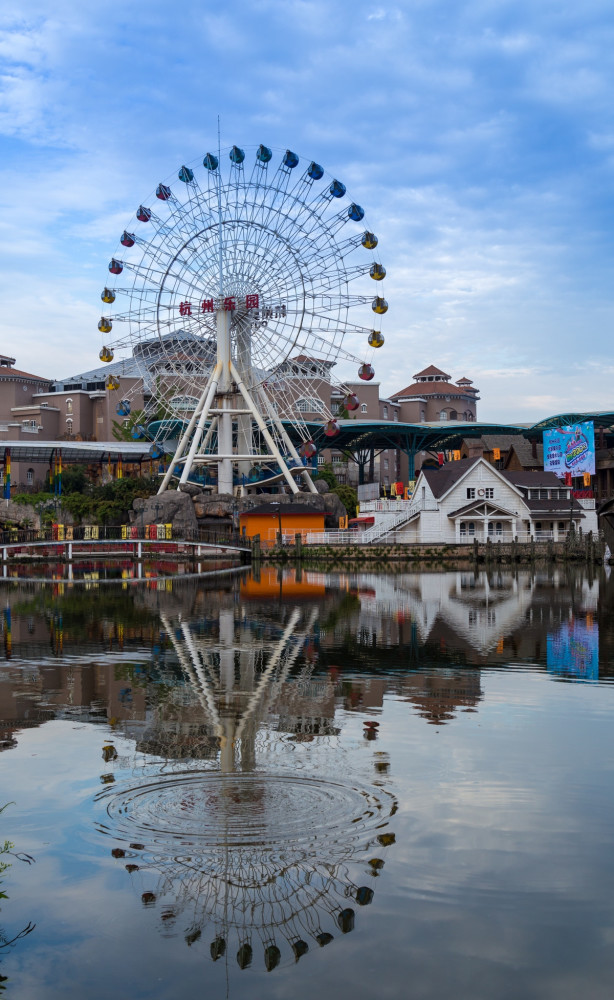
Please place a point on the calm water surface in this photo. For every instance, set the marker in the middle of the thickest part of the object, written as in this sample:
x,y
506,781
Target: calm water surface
x,y
298,784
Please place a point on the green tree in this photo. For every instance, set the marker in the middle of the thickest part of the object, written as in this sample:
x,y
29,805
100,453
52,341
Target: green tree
x,y
348,497
326,473
74,479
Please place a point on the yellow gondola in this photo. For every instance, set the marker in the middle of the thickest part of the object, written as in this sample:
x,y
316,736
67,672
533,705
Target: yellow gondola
x,y
377,272
369,240
108,295
376,339
106,354
112,382
105,325
379,306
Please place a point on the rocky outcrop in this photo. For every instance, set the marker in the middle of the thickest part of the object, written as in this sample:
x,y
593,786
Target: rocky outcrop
x,y
189,508
171,507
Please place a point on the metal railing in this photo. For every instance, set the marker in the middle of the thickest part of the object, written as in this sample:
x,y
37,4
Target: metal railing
x,y
130,548
395,537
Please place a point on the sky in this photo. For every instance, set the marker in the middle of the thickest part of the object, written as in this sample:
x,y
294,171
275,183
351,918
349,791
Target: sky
x,y
477,134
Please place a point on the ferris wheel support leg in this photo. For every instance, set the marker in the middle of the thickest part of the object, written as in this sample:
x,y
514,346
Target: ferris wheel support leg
x,y
264,429
204,413
265,677
286,437
185,437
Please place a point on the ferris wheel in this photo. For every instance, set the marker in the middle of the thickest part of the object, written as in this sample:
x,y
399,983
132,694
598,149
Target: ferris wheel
x,y
238,294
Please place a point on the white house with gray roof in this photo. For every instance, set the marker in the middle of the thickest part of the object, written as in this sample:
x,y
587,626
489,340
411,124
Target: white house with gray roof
x,y
471,499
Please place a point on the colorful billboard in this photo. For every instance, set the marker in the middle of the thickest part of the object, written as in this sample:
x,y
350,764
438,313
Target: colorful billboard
x,y
570,450
574,650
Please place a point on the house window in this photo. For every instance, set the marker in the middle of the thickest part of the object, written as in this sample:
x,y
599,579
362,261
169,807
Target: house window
x,y
467,528
321,460
443,415
30,477
69,425
396,414
470,493
489,492
453,415
385,413
335,408
422,416
69,405
363,408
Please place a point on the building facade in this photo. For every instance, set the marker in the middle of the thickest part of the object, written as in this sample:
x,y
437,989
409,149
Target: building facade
x,y
470,499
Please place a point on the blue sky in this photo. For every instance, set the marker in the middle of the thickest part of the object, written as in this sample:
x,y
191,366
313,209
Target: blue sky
x,y
479,136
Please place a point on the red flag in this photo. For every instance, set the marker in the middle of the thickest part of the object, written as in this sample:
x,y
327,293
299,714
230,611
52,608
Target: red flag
x,y
568,479
440,457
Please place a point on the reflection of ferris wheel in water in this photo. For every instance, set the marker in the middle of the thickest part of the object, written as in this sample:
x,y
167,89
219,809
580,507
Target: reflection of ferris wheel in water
x,y
262,861
242,295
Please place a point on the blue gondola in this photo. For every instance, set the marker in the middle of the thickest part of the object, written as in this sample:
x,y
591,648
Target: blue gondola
x,y
210,162
290,159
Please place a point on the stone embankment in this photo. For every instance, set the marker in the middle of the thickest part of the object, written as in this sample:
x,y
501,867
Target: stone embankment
x,y
580,548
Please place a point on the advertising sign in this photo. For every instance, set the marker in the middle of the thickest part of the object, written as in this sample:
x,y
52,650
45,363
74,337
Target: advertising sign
x,y
574,651
570,450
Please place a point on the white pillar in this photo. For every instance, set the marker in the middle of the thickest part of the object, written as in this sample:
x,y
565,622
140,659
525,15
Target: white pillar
x,y
224,440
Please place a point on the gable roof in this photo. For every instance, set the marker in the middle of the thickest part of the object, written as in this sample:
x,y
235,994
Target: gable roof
x,y
489,441
481,502
523,449
443,479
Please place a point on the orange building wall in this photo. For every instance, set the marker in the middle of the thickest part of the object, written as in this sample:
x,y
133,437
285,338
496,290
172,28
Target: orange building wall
x,y
267,525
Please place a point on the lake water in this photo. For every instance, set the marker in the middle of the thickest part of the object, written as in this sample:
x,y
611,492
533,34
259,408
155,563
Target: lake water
x,y
292,784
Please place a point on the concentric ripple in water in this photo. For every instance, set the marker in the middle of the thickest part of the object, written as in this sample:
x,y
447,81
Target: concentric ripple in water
x,y
202,810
